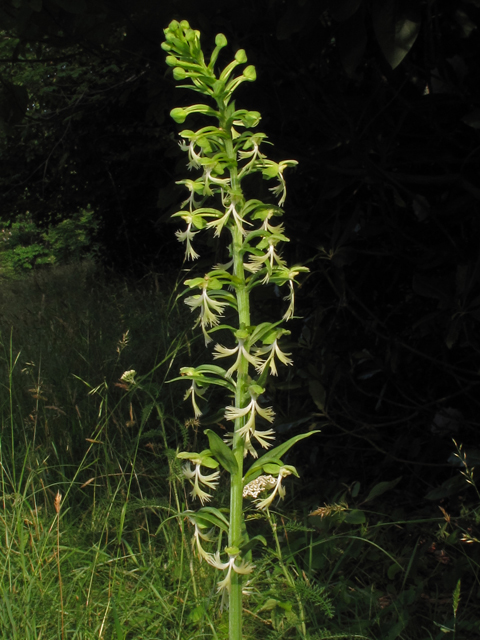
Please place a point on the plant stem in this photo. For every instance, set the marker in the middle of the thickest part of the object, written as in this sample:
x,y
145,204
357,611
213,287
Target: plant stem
x,y
236,486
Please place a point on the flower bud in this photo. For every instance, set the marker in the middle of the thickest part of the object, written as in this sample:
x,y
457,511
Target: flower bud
x,y
249,73
178,114
241,56
220,40
179,74
251,118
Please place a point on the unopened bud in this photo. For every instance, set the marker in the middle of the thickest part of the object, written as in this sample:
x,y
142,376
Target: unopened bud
x,y
220,40
241,56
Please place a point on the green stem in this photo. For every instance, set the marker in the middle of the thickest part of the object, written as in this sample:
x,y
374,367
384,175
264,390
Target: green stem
x,y
241,397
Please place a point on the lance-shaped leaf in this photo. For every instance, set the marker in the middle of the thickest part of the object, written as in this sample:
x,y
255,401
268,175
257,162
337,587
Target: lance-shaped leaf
x,y
222,453
205,375
274,455
207,517
253,542
396,24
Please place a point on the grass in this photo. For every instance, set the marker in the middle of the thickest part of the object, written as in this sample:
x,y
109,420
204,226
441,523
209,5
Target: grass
x,y
92,543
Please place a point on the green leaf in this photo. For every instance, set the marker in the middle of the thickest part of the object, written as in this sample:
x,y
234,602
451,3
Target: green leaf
x,y
223,453
381,488
448,488
396,24
275,454
472,119
355,516
356,489
196,614
253,542
214,512
393,570
207,517
272,469
318,393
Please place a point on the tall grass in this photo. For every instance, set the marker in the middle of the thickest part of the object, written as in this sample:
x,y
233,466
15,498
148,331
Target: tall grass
x,y
91,544
91,541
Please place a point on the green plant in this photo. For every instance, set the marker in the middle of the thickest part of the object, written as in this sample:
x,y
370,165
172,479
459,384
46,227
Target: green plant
x,y
24,244
226,158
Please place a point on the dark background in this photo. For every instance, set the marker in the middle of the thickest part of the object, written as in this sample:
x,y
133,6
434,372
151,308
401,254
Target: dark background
x,y
379,103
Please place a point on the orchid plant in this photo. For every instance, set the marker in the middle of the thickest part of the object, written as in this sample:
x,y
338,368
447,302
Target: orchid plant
x,y
222,154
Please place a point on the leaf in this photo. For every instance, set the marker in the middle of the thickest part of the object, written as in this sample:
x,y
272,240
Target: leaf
x,y
342,10
216,512
196,614
448,488
355,516
431,287
207,516
381,488
472,119
274,455
253,542
72,6
318,393
393,570
396,24
223,453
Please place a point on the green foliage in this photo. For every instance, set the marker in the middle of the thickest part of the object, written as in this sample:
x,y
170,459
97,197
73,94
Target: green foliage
x,y
24,245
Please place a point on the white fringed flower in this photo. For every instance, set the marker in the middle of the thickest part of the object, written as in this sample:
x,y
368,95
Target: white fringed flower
x,y
196,542
249,430
274,350
268,260
210,481
281,189
210,311
279,489
221,222
194,390
187,237
223,352
244,568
